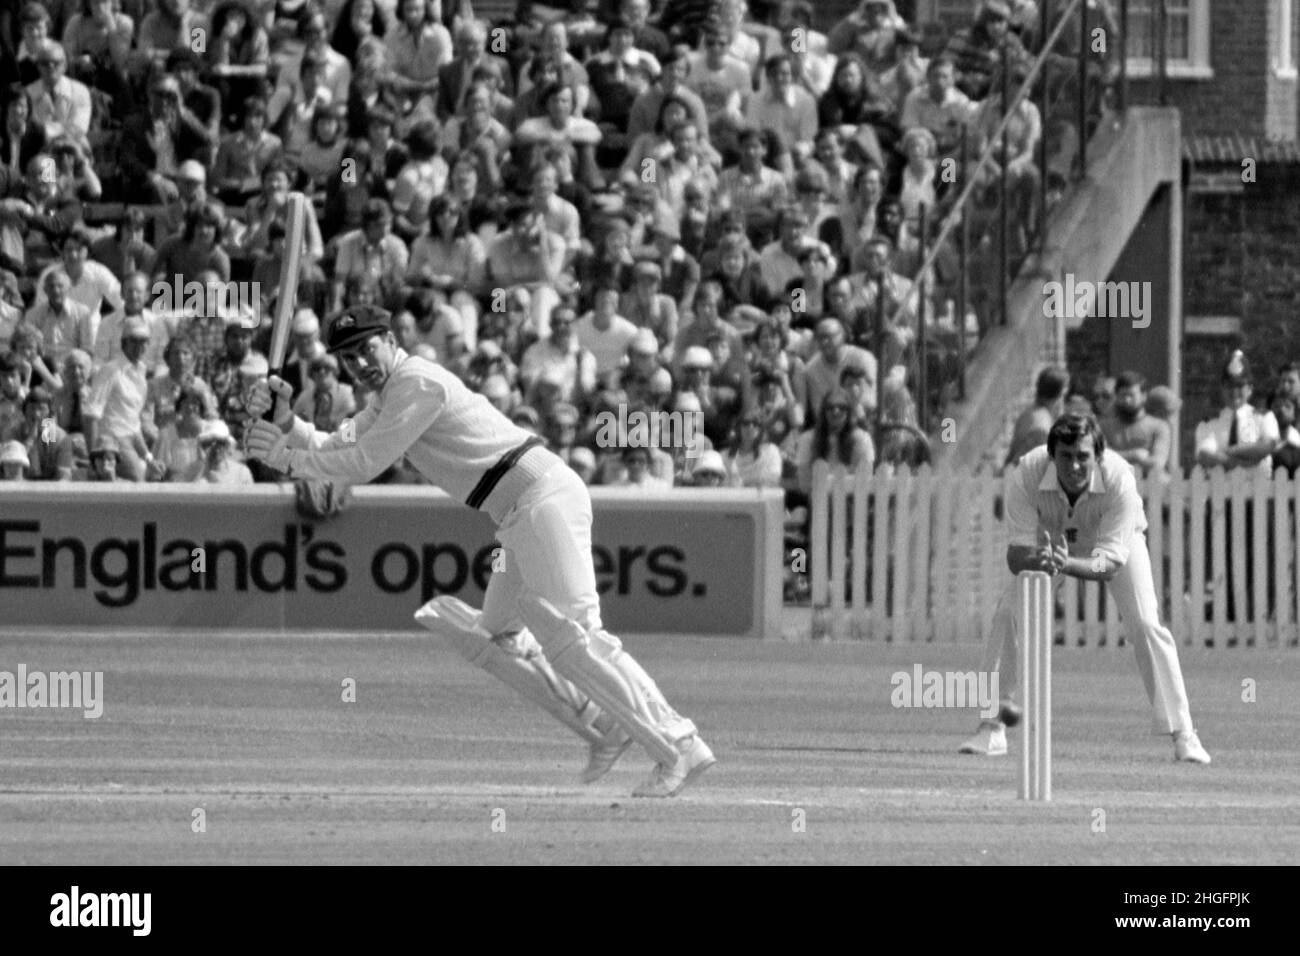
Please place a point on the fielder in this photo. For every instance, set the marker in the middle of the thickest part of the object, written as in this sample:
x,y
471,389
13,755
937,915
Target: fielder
x,y
572,667
1073,508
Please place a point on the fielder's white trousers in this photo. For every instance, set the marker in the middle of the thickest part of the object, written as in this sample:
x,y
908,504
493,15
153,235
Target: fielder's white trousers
x,y
1134,593
546,540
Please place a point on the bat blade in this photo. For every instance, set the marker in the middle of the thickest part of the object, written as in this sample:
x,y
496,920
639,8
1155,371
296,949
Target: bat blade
x,y
286,299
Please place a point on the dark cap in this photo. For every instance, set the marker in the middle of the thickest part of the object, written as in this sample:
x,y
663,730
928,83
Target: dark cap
x,y
356,325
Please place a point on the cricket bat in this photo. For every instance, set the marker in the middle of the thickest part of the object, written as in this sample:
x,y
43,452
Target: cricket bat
x,y
286,299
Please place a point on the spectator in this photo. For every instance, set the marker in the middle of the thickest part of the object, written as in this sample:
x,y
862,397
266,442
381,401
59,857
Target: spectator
x,y
977,52
21,137
750,186
134,295
904,445
1140,439
646,113
72,397
177,456
219,464
271,207
170,26
13,461
752,461
203,101
156,142
1103,397
784,107
563,356
372,252
59,104
418,47
604,332
710,471
562,125
858,111
63,323
836,440
871,32
196,250
12,394
325,401
91,284
34,26
1239,436
104,455
939,106
126,251
834,354
583,462
244,157
166,390
456,76
1286,454
117,400
1032,426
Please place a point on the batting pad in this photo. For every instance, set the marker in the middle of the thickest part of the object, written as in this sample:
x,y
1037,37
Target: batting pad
x,y
569,648
519,664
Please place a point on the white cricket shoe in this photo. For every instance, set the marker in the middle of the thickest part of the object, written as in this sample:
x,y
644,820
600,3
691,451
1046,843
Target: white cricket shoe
x,y
989,741
605,753
666,781
1187,747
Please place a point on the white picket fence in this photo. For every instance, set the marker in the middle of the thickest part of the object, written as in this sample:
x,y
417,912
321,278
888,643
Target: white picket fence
x,y
897,556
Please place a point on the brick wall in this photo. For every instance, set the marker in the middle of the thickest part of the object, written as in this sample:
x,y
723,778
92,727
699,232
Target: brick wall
x,y
1244,96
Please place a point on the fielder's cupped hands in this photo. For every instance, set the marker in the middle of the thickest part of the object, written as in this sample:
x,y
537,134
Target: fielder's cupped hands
x,y
1052,555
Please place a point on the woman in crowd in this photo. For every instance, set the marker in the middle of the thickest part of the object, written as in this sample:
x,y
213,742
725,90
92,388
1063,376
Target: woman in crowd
x,y
751,460
176,454
450,258
835,440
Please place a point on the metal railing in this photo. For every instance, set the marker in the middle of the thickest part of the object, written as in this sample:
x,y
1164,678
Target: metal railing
x,y
1074,88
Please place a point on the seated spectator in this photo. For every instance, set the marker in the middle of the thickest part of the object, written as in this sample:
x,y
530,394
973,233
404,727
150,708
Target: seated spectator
x,y
220,467
34,28
21,137
646,114
904,445
554,49
372,251
238,53
182,258
418,46
527,254
200,99
90,283
583,462
170,25
751,460
739,274
822,375
681,270
722,82
243,157
165,391
617,74
560,429
719,404
978,52
177,456
1034,423
14,463
321,157
871,32
561,125
35,366
939,106
709,472
646,307
561,359
456,76
157,141
1140,439
1023,135
908,73
837,177
108,339
750,186
477,130
292,120
637,474
126,251
74,175
72,398
423,177
875,279
326,401
271,206
836,440
12,394
63,323
784,107
61,105
604,332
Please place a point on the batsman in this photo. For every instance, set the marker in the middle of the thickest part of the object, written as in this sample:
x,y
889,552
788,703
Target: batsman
x,y
1073,508
540,629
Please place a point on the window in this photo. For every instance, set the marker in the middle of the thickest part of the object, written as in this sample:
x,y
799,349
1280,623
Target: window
x,y
1187,38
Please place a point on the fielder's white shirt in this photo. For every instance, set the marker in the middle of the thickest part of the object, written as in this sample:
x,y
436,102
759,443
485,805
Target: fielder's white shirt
x,y
1105,518
448,434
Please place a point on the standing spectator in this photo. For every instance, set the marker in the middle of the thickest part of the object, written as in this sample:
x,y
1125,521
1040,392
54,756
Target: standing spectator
x,y
117,399
1239,436
1032,426
1140,439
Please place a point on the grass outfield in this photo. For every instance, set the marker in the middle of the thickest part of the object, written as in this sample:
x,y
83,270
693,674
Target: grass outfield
x,y
434,752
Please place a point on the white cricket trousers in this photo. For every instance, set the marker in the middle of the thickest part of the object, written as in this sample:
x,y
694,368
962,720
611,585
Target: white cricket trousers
x,y
1134,593
546,539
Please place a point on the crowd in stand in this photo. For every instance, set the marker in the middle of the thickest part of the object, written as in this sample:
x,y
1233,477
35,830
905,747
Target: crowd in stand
x,y
1248,431
583,211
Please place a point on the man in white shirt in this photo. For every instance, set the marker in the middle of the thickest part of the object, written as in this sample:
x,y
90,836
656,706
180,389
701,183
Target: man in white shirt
x,y
939,106
604,332
92,283
64,324
573,667
1073,508
117,399
60,104
108,340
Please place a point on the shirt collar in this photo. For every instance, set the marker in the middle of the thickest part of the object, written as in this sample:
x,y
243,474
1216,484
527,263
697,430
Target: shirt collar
x,y
1051,482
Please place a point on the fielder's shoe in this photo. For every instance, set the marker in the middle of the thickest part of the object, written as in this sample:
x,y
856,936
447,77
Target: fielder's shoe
x,y
1009,713
605,753
1187,747
989,741
665,781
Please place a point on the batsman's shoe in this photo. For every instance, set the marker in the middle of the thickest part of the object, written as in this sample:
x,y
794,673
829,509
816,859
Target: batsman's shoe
x,y
668,781
1009,713
604,753
1187,747
989,741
